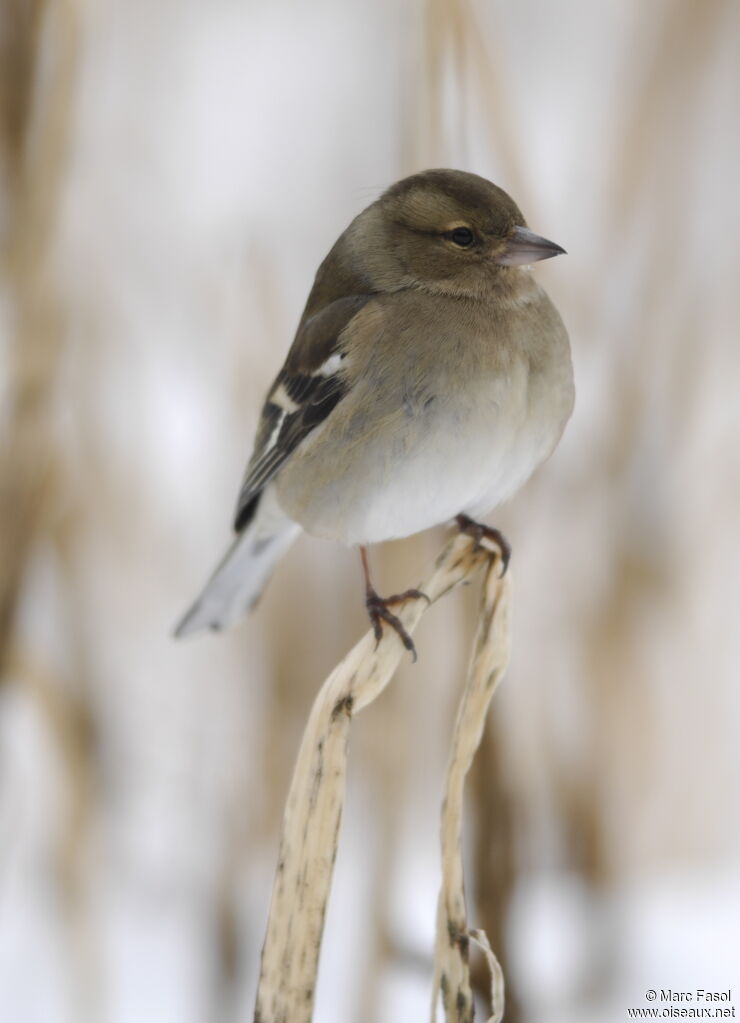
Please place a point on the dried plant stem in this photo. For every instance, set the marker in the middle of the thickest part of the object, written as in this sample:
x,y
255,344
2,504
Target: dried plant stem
x,y
451,968
313,811
495,806
41,112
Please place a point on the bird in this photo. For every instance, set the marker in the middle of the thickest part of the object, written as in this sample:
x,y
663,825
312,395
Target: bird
x,y
429,376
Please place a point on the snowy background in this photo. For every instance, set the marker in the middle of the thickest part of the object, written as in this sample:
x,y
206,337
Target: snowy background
x,y
171,174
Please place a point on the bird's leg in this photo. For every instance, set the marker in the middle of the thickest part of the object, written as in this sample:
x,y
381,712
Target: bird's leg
x,y
377,607
477,530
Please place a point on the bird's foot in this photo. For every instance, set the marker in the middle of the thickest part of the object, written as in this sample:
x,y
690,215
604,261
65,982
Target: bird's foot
x,y
377,609
477,530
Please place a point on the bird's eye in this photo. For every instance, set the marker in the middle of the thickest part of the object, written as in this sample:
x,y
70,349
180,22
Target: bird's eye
x,y
462,236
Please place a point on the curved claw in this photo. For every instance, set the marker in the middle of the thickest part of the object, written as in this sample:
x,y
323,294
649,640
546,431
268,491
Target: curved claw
x,y
478,530
377,609
401,598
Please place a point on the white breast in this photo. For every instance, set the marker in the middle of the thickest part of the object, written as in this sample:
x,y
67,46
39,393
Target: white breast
x,y
421,470
465,460
410,448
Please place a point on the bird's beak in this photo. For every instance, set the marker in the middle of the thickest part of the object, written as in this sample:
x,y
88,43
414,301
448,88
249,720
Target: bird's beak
x,y
524,246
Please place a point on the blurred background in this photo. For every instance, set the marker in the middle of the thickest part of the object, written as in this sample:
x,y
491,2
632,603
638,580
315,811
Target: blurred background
x,y
171,174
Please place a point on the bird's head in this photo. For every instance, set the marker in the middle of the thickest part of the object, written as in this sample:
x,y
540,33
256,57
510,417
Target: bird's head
x,y
444,231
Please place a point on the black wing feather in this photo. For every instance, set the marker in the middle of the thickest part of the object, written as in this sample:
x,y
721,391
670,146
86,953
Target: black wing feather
x,y
319,399
313,393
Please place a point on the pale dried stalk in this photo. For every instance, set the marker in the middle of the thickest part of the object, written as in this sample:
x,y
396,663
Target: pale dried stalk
x,y
314,807
451,968
42,116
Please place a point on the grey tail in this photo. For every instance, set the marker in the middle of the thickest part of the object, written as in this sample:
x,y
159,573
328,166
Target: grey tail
x,y
241,575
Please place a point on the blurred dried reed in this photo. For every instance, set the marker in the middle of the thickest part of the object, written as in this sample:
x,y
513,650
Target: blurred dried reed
x,y
170,177
310,834
35,127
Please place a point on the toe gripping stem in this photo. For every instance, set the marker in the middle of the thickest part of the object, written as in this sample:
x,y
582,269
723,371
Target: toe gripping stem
x,y
378,608
478,531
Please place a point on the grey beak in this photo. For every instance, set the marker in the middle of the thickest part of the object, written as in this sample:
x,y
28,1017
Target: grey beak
x,y
524,246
